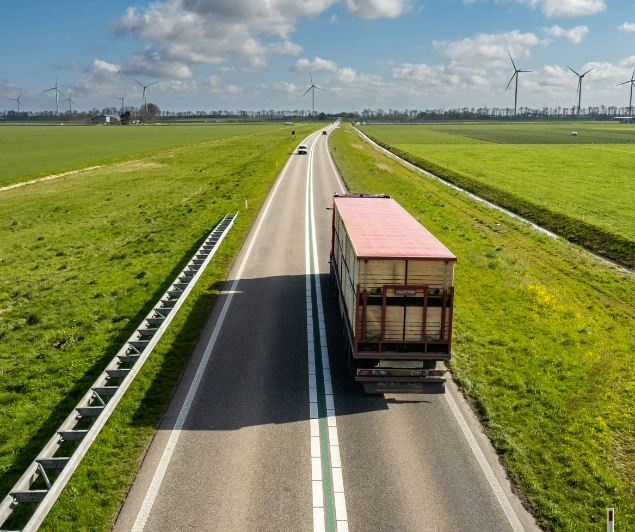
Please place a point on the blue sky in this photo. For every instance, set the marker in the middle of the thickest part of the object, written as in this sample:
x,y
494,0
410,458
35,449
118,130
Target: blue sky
x,y
252,54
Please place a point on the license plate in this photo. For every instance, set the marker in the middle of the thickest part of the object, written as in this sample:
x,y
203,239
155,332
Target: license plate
x,y
399,387
397,372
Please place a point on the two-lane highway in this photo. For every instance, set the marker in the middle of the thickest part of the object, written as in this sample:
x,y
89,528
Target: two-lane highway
x,y
267,431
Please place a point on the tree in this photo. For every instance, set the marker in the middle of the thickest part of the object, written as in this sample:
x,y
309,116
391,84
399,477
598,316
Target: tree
x,y
322,116
125,118
152,111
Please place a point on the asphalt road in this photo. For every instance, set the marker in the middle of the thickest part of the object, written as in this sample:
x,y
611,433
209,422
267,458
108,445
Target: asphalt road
x,y
241,457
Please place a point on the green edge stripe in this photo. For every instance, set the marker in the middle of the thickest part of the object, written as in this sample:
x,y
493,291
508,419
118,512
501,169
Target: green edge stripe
x,y
327,480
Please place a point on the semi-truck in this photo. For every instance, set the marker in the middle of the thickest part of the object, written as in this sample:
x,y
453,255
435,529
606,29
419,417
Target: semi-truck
x,y
394,283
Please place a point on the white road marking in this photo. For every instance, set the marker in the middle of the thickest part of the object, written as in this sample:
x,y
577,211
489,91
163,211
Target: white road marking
x,y
486,468
335,460
153,490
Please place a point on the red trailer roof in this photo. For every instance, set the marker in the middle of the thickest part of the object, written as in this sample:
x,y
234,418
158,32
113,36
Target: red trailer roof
x,y
381,228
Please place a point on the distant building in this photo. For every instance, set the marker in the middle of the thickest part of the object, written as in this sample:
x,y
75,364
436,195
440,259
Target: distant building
x,y
105,119
625,119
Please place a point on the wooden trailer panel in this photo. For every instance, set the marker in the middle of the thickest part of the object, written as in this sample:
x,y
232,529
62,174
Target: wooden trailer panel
x,y
393,275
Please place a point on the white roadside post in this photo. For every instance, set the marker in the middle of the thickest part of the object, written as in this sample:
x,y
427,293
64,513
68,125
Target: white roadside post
x,y
610,519
246,204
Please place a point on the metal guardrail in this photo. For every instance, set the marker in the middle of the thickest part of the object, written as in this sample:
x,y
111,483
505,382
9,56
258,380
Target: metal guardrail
x,y
104,395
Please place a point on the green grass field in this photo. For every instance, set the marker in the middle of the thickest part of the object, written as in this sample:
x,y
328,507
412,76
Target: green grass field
x,y
82,259
589,181
29,152
508,133
543,345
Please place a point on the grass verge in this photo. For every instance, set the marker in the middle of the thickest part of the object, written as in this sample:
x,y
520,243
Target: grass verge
x,y
543,345
82,259
599,239
31,152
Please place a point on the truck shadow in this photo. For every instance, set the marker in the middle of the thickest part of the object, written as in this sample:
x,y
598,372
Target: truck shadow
x,y
258,370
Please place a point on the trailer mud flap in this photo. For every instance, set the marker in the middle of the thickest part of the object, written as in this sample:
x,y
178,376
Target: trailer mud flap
x,y
404,387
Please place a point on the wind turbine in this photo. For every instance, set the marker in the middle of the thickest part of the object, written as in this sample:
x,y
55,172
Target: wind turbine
x,y
145,103
57,93
630,102
312,87
579,92
70,110
19,103
122,98
516,72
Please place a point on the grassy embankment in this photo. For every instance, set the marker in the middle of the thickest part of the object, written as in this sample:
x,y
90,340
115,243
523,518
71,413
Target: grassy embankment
x,y
543,345
30,152
82,259
555,186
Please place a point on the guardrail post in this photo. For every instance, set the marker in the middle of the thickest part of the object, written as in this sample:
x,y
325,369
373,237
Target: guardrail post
x,y
610,519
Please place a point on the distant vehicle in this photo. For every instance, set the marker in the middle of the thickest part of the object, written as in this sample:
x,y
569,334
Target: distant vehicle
x,y
323,132
302,149
394,283
574,133
288,123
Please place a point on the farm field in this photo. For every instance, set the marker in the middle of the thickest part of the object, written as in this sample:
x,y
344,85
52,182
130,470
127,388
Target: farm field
x,y
582,180
29,152
80,266
543,345
511,133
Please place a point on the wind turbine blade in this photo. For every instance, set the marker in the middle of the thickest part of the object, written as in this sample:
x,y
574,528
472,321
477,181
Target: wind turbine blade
x,y
629,81
152,84
307,91
587,72
573,71
525,71
633,76
124,96
47,90
510,56
138,82
311,77
510,81
318,88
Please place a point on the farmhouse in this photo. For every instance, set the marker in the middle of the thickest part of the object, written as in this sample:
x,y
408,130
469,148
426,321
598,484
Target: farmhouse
x,y
105,119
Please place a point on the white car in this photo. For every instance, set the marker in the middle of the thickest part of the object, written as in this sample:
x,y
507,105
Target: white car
x,y
302,149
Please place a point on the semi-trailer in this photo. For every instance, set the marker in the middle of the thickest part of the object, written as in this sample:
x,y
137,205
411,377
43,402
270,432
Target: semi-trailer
x,y
394,283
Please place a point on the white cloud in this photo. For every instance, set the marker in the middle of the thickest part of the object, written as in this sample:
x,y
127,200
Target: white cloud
x,y
153,63
385,63
379,8
566,8
333,19
628,27
560,8
489,50
574,35
101,78
317,65
216,31
349,75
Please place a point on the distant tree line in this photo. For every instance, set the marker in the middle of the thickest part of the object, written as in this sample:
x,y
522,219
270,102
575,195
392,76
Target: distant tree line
x,y
599,113
131,113
153,113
